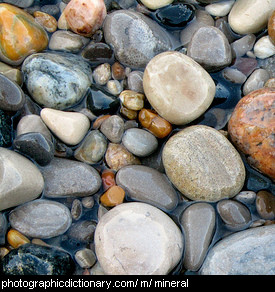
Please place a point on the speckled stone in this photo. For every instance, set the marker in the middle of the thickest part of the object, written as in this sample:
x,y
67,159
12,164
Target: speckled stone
x,y
203,164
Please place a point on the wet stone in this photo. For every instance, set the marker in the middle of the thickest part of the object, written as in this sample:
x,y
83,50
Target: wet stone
x,y
82,231
97,53
265,204
113,128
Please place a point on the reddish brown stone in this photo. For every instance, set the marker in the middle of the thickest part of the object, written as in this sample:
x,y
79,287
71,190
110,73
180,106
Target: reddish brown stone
x,y
252,129
271,27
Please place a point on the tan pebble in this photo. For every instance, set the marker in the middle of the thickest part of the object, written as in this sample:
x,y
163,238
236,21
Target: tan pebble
x,y
271,27
270,83
132,100
62,22
16,238
128,113
113,196
46,20
39,241
118,71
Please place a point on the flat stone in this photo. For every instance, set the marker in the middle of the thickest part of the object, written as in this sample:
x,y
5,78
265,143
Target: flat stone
x,y
203,164
137,238
248,252
220,9
64,77
41,218
68,178
21,180
243,45
198,222
148,185
177,87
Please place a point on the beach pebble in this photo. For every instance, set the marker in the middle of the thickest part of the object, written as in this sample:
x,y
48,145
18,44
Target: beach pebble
x,y
132,99
102,74
140,238
246,197
113,128
16,238
220,9
113,196
234,75
264,48
176,96
134,81
155,4
48,22
241,46
203,164
12,73
255,81
271,27
265,204
85,258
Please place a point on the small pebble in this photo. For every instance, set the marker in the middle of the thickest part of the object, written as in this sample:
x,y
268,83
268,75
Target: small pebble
x,y
102,74
113,196
108,179
46,20
15,238
255,81
265,204
132,100
85,258
113,128
76,209
264,48
118,71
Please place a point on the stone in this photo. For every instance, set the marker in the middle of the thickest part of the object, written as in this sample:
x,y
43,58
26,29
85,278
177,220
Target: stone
x,y
264,48
255,81
69,127
92,148
65,78
241,46
67,41
68,178
21,180
132,100
155,4
82,231
135,81
114,87
113,196
147,185
271,27
210,48
5,129
251,128
12,97
102,74
220,9
203,165
20,3
113,128
137,238
85,258
97,53
265,205
250,17
12,73
234,75
15,238
85,16
248,252
177,87
118,71
108,179
270,83
35,146
136,38
117,156
47,21
139,142
246,197
3,230
234,214
21,35
198,222
76,209
41,218
32,259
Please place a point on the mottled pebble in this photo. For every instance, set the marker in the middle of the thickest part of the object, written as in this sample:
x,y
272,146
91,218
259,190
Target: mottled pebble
x,y
85,258
16,238
265,204
241,46
108,179
102,74
132,100
47,21
76,209
113,196
113,128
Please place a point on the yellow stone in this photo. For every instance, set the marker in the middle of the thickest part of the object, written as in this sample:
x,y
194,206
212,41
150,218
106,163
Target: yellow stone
x,y
15,238
113,196
46,20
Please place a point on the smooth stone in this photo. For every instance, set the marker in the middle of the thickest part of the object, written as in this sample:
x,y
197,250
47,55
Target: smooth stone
x,y
234,214
5,129
97,53
234,75
113,196
246,197
41,218
135,81
241,46
3,228
203,164
69,127
67,41
137,238
147,185
220,9
12,96
20,3
251,129
198,222
65,79
136,38
21,180
155,4
177,87
113,128
82,231
255,81
68,178
271,27
250,16
76,209
139,142
248,252
102,74
85,258
12,73
264,48
92,149
32,259
48,22
210,48
265,205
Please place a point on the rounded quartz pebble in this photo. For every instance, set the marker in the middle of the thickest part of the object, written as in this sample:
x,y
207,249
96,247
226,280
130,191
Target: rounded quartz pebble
x,y
265,204
252,126
137,238
203,164
177,87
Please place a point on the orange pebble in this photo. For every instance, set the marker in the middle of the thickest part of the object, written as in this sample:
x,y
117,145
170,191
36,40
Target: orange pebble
x,y
15,238
113,196
108,179
46,20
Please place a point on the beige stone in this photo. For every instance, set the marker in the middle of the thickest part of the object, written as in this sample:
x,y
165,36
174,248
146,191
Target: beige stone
x,y
69,127
155,4
177,87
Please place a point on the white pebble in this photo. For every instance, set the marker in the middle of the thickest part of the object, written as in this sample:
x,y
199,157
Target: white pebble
x,y
264,48
220,9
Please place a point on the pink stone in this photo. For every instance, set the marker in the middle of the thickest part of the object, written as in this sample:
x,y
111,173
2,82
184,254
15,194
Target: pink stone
x,y
84,17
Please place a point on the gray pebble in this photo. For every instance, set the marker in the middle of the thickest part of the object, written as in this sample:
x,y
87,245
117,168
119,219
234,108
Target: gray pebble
x,y
113,128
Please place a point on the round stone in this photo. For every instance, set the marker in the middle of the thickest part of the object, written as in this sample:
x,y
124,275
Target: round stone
x,y
271,27
252,126
265,205
177,87
137,238
203,164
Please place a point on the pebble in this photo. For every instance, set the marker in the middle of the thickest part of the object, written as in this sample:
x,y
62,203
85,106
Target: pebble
x,y
24,177
251,129
264,48
68,178
85,258
32,259
92,148
155,4
12,73
30,36
203,164
139,142
198,222
12,97
102,74
246,197
76,209
65,79
69,127
241,46
234,75
5,129
134,81
113,128
271,27
147,185
175,96
108,179
137,238
114,87
248,252
82,231
250,17
136,38
255,81
265,204
85,16
220,9
41,218
210,48
118,71
97,53
132,99
20,3
113,196
3,229
47,21
15,238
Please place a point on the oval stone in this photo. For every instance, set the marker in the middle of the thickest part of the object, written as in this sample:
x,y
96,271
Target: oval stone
x,y
203,164
147,185
177,87
41,218
137,239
